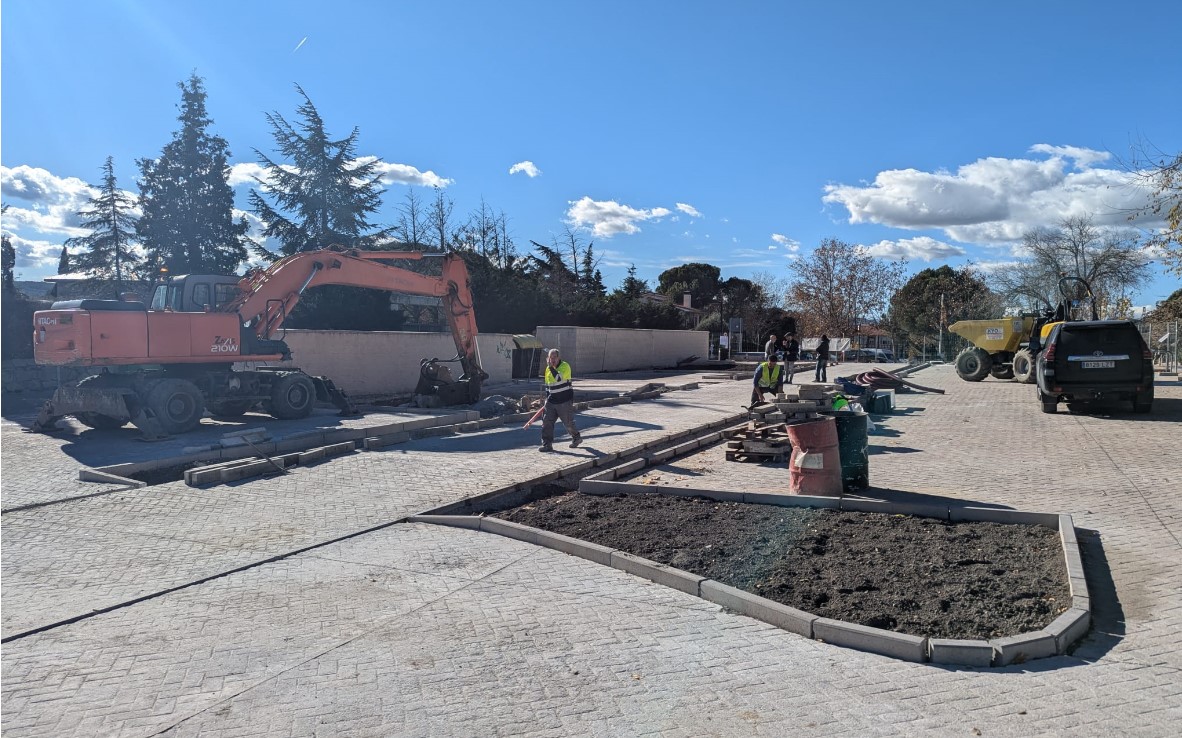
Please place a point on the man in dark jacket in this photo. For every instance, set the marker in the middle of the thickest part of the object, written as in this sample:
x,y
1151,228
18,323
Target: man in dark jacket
x,y
822,374
791,356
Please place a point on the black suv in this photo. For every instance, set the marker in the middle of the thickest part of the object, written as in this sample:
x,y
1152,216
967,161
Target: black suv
x,y
1093,360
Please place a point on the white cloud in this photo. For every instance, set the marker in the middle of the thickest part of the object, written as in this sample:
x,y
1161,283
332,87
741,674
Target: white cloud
x,y
789,244
689,210
246,173
387,173
526,167
921,249
54,201
408,175
995,200
609,218
40,256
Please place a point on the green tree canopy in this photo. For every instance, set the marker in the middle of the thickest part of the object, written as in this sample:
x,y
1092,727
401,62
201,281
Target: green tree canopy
x,y
700,280
188,220
935,298
106,252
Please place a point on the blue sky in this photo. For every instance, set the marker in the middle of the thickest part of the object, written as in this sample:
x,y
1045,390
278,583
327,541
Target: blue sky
x,y
739,134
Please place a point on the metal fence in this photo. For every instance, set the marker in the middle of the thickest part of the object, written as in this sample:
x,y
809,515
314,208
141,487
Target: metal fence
x,y
1163,342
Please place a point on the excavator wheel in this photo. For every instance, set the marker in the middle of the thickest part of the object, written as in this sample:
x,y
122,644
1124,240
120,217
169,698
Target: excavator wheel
x,y
1001,371
292,396
177,404
973,364
1023,365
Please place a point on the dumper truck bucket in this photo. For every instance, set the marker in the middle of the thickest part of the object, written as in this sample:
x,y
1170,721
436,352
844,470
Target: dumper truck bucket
x,y
1000,334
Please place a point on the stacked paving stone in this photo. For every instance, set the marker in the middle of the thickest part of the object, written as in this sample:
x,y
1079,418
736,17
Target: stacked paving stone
x,y
765,437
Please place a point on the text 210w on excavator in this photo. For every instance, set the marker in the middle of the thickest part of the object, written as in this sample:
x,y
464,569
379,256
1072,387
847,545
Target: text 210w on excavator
x,y
165,363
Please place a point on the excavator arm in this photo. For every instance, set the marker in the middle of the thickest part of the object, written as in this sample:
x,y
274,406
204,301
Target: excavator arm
x,y
268,296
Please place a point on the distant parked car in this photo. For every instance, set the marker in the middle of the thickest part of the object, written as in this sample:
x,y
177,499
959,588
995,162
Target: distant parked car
x,y
870,355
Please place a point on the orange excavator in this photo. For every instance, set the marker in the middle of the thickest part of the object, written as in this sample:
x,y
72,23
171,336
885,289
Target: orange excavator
x,y
164,363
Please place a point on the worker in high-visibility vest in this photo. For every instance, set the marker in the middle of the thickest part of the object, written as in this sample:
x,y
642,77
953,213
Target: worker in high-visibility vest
x,y
769,377
560,402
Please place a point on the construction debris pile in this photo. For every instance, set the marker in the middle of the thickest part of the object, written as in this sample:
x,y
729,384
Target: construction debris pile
x,y
765,437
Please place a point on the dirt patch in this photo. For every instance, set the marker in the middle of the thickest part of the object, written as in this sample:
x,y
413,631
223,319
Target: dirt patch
x,y
913,575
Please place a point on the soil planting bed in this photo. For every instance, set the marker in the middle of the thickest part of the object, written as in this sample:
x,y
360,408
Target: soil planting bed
x,y
920,576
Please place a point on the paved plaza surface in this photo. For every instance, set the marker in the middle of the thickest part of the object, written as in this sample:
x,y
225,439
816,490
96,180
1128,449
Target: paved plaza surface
x,y
299,605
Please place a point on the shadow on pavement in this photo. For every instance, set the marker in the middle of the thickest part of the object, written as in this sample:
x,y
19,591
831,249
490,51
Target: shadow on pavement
x,y
508,437
1108,616
919,498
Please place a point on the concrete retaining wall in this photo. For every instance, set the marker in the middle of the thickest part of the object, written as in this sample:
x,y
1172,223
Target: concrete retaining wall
x,y
592,350
387,362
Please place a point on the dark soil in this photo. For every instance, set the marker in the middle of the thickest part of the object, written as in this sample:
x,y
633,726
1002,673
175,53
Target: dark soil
x,y
913,575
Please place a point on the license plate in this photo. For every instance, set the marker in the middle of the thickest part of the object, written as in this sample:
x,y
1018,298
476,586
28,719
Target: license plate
x,y
1099,365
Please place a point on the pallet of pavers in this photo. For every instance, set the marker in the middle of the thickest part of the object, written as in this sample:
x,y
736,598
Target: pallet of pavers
x,y
764,438
805,401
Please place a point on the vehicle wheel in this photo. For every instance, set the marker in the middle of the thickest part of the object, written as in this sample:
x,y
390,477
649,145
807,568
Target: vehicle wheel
x,y
1145,404
1049,405
292,396
230,408
98,421
1023,366
177,405
1001,371
972,364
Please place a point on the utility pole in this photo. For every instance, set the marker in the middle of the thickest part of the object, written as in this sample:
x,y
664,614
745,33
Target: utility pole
x,y
940,350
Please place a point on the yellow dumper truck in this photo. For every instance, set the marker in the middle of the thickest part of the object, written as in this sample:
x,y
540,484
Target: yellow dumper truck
x,y
1000,348
1007,347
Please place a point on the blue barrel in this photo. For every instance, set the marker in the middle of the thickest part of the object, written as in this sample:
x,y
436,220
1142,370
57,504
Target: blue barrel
x,y
852,442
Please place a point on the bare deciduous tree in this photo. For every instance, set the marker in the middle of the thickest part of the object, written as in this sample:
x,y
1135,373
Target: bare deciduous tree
x,y
1110,261
831,288
439,218
412,225
1161,175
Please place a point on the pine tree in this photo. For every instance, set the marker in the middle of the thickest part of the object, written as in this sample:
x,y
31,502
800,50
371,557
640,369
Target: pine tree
x,y
188,205
63,261
322,195
325,194
106,252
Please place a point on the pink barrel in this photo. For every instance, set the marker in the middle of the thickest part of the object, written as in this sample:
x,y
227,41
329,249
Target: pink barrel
x,y
815,467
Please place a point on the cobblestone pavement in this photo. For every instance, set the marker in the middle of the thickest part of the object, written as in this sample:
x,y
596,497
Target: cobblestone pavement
x,y
290,607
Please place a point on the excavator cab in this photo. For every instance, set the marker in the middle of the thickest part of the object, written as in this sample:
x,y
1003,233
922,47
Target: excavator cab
x,y
194,293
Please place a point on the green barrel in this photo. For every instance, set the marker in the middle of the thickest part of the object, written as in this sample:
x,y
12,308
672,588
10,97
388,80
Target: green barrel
x,y
852,446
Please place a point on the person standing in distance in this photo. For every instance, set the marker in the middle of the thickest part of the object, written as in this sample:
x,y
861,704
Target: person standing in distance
x,y
560,402
770,348
791,356
724,347
822,360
